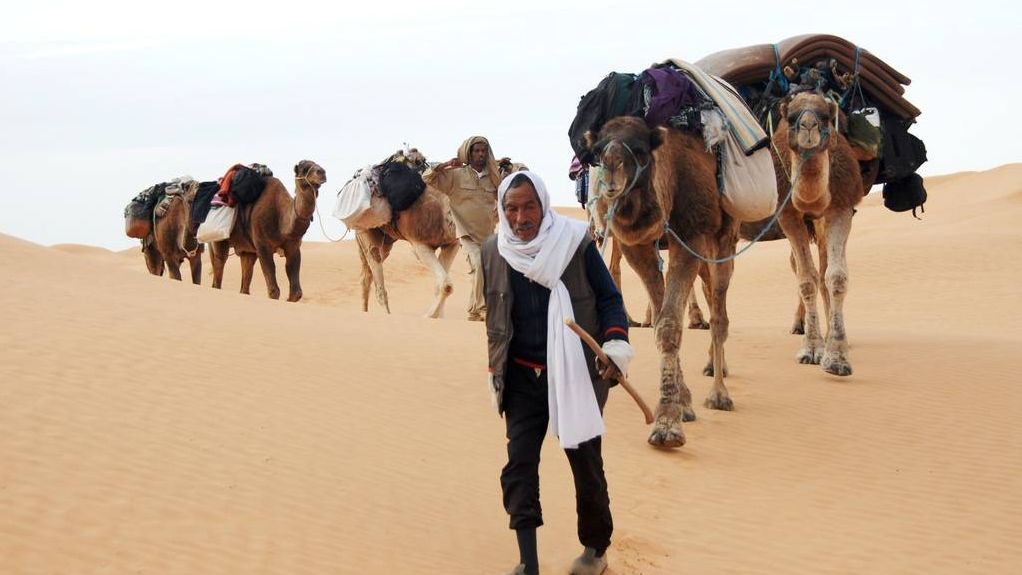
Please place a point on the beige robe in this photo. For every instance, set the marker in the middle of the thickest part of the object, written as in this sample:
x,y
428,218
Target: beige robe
x,y
473,198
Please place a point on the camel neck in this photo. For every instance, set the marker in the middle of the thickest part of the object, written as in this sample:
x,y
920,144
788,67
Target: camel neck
x,y
304,205
811,192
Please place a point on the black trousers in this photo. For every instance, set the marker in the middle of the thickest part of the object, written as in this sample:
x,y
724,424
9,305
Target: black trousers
x,y
526,413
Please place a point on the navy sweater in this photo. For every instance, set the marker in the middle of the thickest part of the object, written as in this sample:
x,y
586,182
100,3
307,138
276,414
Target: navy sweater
x,y
529,310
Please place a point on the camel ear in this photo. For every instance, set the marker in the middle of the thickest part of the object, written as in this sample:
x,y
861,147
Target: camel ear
x,y
782,110
589,145
656,137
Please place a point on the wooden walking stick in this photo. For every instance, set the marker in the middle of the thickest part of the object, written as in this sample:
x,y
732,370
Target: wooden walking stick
x,y
588,340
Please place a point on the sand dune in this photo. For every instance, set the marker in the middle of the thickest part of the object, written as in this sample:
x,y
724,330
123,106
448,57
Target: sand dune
x,y
150,426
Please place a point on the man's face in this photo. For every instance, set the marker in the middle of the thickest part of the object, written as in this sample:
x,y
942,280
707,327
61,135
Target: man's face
x,y
477,156
523,211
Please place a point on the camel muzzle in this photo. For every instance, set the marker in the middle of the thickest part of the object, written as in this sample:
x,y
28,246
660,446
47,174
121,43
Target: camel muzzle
x,y
811,134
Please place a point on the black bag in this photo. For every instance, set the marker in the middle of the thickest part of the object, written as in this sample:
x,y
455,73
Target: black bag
x,y
247,185
903,153
616,95
905,194
201,204
400,184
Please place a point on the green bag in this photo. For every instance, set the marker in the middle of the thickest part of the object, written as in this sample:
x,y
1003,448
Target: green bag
x,y
863,133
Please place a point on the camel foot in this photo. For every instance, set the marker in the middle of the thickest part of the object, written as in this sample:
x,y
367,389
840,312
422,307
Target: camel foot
x,y
688,414
809,356
708,370
698,324
294,296
719,400
274,294
836,365
667,433
798,329
633,323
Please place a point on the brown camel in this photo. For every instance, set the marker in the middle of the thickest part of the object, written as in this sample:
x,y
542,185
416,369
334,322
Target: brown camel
x,y
173,240
427,226
826,185
663,176
274,222
597,224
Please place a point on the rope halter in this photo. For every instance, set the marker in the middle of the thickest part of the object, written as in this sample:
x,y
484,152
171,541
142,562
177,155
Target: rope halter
x,y
639,169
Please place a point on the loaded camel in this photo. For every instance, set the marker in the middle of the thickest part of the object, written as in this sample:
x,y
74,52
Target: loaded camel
x,y
274,222
826,185
427,225
657,176
171,238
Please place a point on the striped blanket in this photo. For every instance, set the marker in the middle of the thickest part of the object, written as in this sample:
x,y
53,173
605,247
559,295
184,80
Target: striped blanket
x,y
741,122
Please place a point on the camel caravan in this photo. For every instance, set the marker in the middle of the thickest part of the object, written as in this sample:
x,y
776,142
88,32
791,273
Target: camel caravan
x,y
681,161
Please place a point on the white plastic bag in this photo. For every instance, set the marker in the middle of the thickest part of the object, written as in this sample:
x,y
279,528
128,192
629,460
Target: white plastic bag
x,y
750,187
218,224
358,208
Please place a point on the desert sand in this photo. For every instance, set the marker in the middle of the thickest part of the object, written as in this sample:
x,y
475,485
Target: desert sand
x,y
151,426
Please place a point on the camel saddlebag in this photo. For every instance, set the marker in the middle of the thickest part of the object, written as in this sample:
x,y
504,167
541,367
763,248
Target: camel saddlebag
x,y
218,224
358,207
138,214
905,194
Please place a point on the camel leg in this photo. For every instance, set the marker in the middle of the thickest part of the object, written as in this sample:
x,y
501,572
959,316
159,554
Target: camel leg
x,y
365,275
820,231
835,355
443,288
446,259
720,276
195,266
248,261
375,252
293,267
695,315
269,268
153,260
675,403
811,351
614,267
706,275
218,253
799,322
173,268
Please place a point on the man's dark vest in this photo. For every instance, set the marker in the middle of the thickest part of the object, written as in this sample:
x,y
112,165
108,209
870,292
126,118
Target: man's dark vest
x,y
499,301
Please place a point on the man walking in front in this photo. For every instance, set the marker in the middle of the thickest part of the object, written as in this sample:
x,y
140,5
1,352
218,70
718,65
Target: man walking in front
x,y
541,269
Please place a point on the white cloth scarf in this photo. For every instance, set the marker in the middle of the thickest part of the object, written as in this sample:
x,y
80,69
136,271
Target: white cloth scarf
x,y
574,413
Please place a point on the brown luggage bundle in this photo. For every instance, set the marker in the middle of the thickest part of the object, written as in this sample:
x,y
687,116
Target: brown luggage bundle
x,y
882,84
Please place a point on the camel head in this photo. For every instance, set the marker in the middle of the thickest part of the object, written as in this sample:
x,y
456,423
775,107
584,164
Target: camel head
x,y
311,173
625,150
812,119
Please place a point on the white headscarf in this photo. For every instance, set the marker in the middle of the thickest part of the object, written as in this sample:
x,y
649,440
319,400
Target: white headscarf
x,y
574,412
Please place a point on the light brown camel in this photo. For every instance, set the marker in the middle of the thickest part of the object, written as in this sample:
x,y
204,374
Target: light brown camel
x,y
869,168
826,186
666,176
173,238
274,222
426,225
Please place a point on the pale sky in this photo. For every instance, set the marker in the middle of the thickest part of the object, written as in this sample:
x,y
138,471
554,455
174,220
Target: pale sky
x,y
101,99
